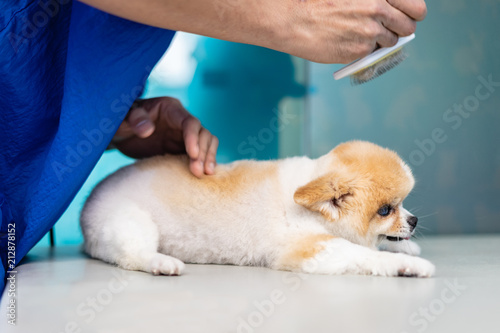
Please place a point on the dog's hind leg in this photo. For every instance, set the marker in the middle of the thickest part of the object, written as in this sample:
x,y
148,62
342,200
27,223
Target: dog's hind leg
x,y
130,239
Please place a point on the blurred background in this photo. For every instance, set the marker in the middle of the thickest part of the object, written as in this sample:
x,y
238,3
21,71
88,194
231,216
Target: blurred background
x,y
439,109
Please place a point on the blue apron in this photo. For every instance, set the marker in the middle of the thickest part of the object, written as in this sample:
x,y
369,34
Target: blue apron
x,y
68,75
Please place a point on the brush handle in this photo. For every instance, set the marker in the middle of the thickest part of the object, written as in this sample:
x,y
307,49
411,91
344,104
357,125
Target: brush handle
x,y
371,59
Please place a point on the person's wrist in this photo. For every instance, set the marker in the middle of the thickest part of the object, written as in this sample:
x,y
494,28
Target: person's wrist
x,y
287,30
276,29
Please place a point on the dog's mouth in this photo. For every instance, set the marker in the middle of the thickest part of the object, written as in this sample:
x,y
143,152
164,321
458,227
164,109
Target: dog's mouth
x,y
397,239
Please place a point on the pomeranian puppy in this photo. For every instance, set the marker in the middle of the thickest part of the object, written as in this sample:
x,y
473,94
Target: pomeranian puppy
x,y
330,215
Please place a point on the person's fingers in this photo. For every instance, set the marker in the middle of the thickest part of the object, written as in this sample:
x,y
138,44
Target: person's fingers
x,y
196,168
205,163
387,38
191,127
205,141
416,9
140,122
398,22
210,160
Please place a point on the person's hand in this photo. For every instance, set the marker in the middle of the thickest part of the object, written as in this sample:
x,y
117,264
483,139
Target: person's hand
x,y
162,125
329,31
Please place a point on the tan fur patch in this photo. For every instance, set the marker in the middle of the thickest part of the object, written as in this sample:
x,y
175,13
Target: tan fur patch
x,y
174,184
302,248
325,188
382,166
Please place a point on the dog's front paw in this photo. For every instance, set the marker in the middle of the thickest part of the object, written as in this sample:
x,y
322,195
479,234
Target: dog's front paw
x,y
403,246
415,267
398,264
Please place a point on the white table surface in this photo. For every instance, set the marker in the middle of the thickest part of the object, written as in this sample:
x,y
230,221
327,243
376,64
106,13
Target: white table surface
x,y
62,290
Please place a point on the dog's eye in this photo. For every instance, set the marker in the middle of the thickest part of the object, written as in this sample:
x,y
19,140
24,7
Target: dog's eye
x,y
384,210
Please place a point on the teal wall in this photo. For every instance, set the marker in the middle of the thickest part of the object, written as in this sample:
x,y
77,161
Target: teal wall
x,y
239,90
435,110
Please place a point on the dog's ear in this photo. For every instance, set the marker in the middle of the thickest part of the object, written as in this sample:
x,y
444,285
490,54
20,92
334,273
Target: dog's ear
x,y
329,194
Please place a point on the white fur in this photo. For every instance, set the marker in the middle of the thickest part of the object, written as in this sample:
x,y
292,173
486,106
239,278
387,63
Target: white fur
x,y
403,246
126,223
343,257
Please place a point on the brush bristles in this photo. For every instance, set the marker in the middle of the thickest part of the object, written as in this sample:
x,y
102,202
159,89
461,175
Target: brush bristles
x,y
378,68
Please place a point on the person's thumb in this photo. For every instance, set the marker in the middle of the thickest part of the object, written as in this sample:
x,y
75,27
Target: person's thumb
x,y
140,122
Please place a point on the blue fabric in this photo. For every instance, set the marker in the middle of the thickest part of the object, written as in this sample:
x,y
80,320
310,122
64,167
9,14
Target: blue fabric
x,y
68,75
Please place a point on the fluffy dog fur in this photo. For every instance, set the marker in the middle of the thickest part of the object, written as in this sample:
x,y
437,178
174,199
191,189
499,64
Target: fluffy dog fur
x,y
306,215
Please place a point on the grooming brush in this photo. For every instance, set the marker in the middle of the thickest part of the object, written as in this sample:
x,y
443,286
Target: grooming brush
x,y
376,63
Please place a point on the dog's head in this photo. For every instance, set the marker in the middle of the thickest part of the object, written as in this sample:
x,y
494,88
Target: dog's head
x,y
360,193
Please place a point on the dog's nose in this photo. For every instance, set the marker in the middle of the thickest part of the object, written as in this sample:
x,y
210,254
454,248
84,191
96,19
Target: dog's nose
x,y
412,221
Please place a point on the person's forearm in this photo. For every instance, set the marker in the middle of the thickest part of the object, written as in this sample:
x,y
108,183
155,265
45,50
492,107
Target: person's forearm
x,y
327,31
244,21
